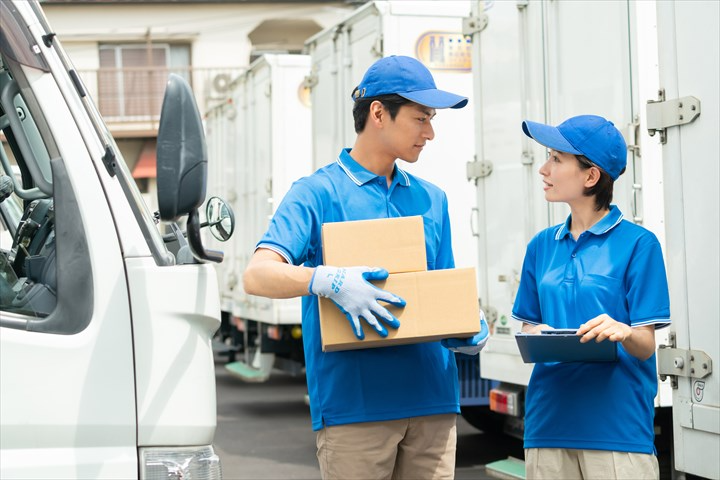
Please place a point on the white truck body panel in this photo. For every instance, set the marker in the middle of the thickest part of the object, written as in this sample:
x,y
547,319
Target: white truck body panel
x,y
141,373
686,30
342,54
173,351
258,145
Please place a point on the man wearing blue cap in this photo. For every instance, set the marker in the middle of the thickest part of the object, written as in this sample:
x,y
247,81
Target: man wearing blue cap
x,y
605,277
382,412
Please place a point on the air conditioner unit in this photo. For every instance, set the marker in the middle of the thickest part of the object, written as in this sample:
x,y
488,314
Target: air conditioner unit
x,y
221,82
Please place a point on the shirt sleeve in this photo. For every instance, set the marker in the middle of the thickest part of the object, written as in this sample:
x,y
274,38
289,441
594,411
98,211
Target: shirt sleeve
x,y
527,301
647,297
294,228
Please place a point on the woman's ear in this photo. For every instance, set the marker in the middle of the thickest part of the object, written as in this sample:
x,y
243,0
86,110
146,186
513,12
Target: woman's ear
x,y
593,176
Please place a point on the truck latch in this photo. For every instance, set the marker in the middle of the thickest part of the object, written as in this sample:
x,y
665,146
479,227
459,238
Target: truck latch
x,y
677,362
662,114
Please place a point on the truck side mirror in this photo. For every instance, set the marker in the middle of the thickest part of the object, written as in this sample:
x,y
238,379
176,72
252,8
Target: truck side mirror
x,y
182,163
181,152
220,218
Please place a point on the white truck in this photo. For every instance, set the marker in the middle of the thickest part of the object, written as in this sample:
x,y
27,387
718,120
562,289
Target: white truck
x,y
259,142
637,64
106,366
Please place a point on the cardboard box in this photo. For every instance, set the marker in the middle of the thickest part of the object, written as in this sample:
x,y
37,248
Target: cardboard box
x,y
395,244
439,303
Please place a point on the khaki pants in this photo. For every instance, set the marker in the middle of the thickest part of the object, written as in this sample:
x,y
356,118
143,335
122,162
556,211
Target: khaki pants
x,y
569,464
414,448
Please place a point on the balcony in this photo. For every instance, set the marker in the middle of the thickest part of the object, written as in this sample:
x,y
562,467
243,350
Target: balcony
x,y
130,98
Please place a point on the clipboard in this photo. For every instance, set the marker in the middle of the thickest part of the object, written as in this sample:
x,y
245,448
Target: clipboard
x,y
563,345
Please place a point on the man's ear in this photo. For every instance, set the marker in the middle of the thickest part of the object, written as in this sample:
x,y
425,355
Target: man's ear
x,y
376,114
593,177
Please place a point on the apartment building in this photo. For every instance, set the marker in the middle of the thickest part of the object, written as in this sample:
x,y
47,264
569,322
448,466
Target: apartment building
x,y
125,49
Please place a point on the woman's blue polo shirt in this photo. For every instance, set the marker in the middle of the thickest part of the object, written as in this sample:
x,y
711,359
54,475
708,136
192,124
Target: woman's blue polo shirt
x,y
616,267
374,384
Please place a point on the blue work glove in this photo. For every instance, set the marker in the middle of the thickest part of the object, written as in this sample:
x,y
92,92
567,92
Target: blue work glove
x,y
472,345
355,296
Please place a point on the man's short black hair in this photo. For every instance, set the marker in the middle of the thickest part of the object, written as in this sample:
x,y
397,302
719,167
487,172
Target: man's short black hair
x,y
603,189
392,104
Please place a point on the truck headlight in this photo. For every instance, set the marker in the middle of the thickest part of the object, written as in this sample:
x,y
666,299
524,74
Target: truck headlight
x,y
179,463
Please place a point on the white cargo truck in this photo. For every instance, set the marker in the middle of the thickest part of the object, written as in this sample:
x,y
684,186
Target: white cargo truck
x,y
637,64
106,366
259,142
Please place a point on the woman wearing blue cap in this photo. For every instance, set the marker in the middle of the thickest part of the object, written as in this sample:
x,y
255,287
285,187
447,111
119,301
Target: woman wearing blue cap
x,y
383,412
605,277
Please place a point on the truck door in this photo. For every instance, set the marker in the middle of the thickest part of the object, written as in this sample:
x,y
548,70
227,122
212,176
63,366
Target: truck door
x,y
67,387
689,62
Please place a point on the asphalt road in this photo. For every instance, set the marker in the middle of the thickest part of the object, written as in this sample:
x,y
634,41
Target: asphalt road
x,y
264,432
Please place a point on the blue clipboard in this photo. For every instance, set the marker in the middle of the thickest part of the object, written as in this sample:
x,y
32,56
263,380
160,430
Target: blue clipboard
x,y
563,345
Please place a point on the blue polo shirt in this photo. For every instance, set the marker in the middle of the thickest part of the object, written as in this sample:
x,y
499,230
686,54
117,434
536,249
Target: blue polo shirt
x,y
372,384
616,267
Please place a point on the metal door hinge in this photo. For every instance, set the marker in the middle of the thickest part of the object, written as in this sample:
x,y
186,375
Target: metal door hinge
x,y
476,169
662,114
676,362
633,135
473,25
310,81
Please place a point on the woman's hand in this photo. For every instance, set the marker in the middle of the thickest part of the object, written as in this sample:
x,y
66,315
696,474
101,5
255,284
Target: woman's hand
x,y
604,327
637,341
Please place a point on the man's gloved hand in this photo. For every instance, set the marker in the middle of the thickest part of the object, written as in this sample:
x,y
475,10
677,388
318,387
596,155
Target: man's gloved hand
x,y
350,289
472,345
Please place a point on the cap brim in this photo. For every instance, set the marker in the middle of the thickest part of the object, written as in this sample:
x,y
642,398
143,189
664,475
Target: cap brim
x,y
549,137
435,98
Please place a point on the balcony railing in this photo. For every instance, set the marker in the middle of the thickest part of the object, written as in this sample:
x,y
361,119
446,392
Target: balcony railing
x,y
130,99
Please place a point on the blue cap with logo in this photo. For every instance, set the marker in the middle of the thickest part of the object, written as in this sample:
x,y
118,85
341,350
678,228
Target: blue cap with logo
x,y
407,77
590,135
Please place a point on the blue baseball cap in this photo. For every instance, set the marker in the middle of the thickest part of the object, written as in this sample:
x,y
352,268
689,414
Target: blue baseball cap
x,y
407,77
590,135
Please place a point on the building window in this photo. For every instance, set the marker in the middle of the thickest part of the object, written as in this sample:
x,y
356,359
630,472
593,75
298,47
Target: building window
x,y
132,78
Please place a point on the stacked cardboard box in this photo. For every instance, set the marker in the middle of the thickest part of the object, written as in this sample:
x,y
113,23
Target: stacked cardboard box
x,y
439,303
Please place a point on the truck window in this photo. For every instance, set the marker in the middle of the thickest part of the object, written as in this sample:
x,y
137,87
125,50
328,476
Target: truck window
x,y
45,274
27,253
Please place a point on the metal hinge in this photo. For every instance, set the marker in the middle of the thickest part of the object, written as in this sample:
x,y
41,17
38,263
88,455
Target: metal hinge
x,y
676,362
662,114
473,25
633,135
310,81
476,169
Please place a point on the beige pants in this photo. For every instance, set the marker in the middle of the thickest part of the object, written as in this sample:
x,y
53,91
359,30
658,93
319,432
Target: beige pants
x,y
414,448
569,464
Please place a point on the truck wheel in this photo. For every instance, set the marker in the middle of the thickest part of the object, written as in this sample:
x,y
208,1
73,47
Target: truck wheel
x,y
482,418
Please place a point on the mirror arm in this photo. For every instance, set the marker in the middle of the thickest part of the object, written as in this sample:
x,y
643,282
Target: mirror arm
x,y
172,236
193,236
